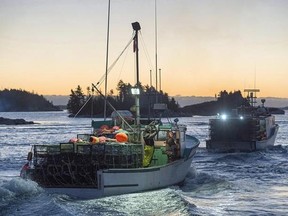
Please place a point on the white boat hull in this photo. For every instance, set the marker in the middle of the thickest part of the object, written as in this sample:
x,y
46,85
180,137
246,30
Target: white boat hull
x,y
264,144
129,181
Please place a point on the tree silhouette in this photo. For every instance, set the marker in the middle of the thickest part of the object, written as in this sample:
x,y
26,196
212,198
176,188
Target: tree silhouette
x,y
76,100
123,100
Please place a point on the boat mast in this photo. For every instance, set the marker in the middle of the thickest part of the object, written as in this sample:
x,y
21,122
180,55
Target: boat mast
x,y
156,59
160,80
136,27
106,70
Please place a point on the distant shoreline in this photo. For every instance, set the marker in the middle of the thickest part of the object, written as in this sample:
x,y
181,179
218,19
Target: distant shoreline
x,y
62,100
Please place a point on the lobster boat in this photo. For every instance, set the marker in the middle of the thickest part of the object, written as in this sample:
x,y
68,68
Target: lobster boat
x,y
117,157
246,129
86,169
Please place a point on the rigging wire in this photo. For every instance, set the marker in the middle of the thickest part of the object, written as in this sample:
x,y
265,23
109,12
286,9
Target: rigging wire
x,y
114,63
103,77
146,52
125,57
82,106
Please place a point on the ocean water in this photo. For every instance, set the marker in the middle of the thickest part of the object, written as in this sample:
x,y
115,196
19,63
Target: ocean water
x,y
217,184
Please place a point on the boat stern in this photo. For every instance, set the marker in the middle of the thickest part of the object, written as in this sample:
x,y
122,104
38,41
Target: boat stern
x,y
230,146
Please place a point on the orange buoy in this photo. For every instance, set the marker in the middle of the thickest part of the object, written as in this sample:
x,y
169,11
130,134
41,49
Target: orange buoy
x,y
102,139
94,139
121,137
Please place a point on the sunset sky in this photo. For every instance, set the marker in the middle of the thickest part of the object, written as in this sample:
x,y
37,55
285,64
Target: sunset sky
x,y
204,46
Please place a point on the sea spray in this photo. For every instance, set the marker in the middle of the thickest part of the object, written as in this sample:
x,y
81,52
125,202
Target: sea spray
x,y
16,188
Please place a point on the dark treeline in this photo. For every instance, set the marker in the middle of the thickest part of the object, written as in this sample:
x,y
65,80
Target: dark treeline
x,y
123,100
19,100
225,103
14,100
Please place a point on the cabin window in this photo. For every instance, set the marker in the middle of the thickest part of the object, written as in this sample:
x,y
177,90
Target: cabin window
x,y
162,135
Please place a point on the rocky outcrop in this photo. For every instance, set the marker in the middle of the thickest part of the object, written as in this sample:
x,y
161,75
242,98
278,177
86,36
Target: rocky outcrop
x,y
6,121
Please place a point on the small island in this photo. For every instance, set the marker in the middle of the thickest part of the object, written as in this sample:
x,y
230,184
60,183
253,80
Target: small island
x,y
225,102
14,100
7,121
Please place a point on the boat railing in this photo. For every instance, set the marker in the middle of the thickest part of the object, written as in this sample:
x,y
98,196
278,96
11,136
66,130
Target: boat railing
x,y
106,155
76,164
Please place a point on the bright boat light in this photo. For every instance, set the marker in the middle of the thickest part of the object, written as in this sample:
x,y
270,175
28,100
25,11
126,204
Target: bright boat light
x,y
241,117
135,91
224,116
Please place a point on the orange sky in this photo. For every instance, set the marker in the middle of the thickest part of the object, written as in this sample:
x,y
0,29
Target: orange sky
x,y
50,47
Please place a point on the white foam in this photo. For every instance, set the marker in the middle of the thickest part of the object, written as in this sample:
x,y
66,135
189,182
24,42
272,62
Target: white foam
x,y
11,189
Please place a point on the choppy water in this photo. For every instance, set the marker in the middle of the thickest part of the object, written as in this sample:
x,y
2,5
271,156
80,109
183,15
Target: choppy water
x,y
217,184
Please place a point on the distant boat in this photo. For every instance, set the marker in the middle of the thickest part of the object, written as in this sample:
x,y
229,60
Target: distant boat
x,y
248,129
118,157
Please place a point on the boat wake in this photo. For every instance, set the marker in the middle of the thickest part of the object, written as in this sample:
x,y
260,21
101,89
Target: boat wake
x,y
203,187
159,202
204,183
16,189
